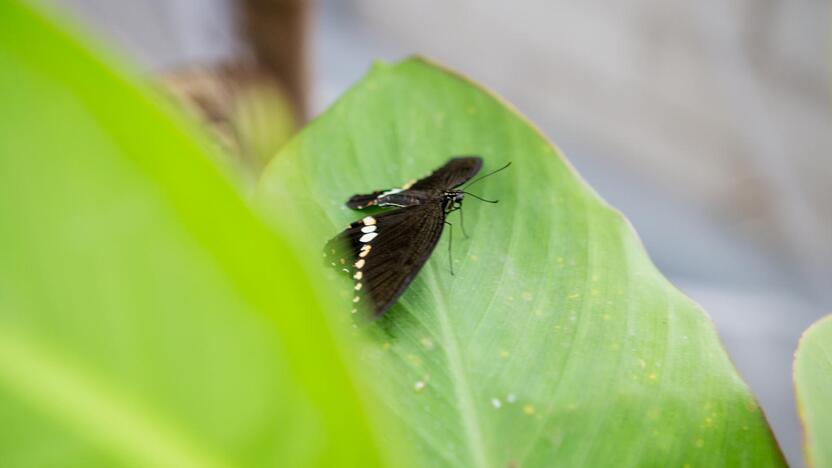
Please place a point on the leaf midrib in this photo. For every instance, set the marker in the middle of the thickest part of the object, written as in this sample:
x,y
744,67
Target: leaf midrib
x,y
462,389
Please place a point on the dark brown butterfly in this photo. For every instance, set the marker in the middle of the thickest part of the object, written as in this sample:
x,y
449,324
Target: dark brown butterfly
x,y
385,251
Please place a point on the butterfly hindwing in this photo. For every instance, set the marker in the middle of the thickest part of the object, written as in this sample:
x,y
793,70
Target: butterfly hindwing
x,y
453,174
359,202
383,253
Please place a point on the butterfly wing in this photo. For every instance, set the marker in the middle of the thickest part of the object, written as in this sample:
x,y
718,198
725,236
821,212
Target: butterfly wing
x,y
361,201
453,174
383,253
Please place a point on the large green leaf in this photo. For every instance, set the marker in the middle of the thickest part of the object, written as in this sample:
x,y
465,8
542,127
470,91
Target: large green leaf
x,y
557,341
813,383
147,318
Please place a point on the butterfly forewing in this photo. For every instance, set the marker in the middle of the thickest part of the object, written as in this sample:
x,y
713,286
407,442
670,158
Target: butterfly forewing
x,y
383,253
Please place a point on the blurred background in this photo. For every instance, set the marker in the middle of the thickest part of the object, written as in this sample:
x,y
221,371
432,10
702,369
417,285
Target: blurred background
x,y
707,123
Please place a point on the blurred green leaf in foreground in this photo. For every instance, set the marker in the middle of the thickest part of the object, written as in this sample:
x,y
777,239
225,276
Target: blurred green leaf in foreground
x,y
147,318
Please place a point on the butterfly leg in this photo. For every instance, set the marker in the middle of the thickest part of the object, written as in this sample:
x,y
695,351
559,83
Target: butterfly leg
x,y
450,247
462,223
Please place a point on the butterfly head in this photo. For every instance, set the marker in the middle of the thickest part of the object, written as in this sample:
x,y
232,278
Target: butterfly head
x,y
452,199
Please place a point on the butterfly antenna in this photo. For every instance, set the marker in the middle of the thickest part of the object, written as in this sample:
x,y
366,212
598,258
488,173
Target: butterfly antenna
x,y
487,175
480,198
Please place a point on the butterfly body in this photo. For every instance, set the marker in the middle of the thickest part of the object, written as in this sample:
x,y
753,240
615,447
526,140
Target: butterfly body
x,y
403,197
384,252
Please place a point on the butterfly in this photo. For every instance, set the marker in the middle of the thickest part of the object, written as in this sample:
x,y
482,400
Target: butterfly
x,y
384,252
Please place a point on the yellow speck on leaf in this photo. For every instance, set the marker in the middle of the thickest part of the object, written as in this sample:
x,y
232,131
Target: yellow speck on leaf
x,y
528,409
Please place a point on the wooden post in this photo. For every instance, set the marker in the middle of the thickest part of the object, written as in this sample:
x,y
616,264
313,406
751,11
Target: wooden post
x,y
276,32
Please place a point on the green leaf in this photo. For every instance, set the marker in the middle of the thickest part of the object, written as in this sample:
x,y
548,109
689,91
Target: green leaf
x,y
147,317
557,341
813,385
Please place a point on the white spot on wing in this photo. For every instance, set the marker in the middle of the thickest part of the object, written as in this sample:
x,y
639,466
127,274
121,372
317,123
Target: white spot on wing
x,y
358,275
390,192
368,221
356,299
358,286
359,263
371,228
368,237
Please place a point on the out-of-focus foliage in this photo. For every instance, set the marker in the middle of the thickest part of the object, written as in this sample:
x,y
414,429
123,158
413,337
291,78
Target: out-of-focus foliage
x,y
245,110
557,342
813,382
147,317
